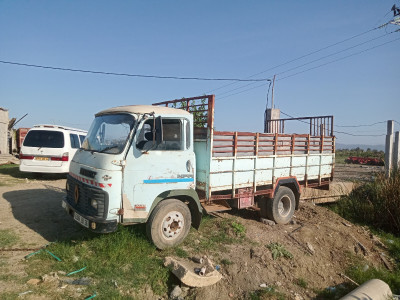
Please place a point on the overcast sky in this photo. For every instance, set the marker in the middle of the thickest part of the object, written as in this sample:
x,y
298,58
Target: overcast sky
x,y
212,39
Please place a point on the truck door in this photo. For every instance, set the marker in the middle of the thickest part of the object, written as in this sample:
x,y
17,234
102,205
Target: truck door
x,y
153,169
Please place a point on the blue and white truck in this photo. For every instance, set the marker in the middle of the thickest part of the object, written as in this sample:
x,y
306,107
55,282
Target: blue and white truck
x,y
163,164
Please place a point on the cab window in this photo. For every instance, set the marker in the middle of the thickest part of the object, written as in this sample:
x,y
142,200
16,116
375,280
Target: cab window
x,y
172,136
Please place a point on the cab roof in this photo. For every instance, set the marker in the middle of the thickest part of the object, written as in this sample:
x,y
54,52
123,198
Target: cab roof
x,y
142,109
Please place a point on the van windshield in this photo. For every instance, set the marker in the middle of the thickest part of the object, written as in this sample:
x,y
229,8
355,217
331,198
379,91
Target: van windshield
x,y
109,133
44,139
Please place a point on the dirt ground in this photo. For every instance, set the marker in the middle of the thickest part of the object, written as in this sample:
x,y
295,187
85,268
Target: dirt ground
x,y
359,173
318,239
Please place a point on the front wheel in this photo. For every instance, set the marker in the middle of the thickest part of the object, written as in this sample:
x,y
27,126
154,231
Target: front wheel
x,y
169,223
281,208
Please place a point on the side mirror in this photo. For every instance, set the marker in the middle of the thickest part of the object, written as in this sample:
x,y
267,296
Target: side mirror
x,y
158,128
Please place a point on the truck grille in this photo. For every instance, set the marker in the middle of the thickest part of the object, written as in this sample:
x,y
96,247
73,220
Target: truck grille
x,y
85,196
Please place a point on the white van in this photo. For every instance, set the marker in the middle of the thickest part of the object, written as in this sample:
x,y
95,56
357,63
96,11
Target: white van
x,y
50,148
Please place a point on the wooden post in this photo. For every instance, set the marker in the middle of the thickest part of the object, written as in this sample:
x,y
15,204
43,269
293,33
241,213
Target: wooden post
x,y
389,148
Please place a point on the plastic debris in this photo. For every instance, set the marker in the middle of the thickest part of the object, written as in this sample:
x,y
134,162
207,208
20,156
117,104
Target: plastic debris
x,y
77,271
198,260
80,281
217,267
53,255
33,253
24,293
91,297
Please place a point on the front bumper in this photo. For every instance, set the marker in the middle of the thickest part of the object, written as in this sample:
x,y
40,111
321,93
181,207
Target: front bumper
x,y
92,223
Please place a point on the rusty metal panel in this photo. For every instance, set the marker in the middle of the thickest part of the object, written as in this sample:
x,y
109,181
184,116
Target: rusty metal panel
x,y
245,198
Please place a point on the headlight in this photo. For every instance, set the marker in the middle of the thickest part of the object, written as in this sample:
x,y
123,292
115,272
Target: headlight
x,y
67,186
93,203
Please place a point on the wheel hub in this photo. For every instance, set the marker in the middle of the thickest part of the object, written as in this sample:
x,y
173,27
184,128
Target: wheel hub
x,y
172,225
284,206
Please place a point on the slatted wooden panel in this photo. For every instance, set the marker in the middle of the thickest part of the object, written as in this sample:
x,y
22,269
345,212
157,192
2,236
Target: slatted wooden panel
x,y
227,144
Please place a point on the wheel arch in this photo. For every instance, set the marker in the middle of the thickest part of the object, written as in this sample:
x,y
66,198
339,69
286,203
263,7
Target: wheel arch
x,y
291,183
190,196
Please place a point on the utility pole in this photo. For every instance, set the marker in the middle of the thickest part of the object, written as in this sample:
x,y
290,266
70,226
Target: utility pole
x,y
272,115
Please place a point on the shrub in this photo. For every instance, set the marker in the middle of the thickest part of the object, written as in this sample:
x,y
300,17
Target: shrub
x,y
376,204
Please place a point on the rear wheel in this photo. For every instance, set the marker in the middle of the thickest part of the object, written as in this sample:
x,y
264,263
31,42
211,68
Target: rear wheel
x,y
281,208
169,223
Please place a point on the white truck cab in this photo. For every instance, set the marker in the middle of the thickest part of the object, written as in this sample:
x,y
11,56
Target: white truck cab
x,y
133,158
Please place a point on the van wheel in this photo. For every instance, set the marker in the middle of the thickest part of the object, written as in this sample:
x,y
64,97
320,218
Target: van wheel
x,y
169,223
281,208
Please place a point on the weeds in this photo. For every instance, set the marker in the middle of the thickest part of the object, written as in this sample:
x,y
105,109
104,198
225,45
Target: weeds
x,y
267,293
239,229
301,283
376,204
215,235
278,250
226,262
360,271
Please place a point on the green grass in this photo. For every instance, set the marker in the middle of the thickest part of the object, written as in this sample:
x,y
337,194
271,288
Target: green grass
x,y
181,253
125,257
360,273
9,296
8,238
128,258
215,235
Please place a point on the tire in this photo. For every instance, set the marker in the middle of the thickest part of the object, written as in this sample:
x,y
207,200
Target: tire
x,y
281,208
169,223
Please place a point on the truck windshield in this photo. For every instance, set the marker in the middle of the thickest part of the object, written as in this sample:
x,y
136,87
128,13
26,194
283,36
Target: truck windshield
x,y
109,133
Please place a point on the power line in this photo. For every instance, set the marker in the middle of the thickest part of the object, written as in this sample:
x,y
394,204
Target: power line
x,y
339,59
364,125
131,75
342,132
319,66
243,91
370,135
332,54
303,56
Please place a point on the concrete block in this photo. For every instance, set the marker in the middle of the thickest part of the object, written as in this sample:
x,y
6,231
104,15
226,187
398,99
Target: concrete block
x,y
372,289
182,270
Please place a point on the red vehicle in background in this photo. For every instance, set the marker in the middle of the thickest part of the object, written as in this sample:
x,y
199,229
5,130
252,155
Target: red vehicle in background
x,y
372,161
21,133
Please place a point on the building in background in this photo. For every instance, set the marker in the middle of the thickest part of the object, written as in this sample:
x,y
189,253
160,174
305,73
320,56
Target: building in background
x,y
4,149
